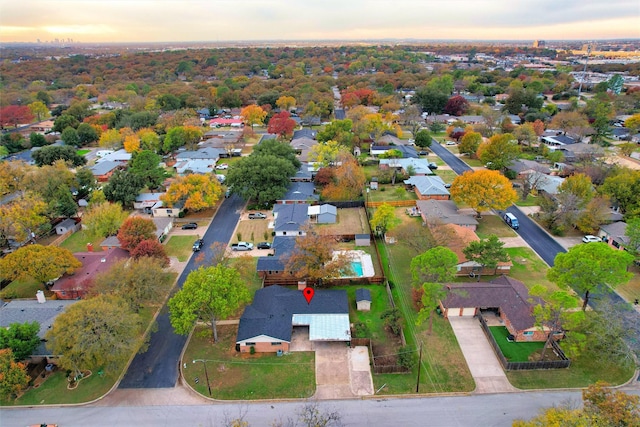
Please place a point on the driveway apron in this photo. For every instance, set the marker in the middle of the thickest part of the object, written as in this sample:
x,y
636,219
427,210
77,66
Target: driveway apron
x,y
482,361
332,370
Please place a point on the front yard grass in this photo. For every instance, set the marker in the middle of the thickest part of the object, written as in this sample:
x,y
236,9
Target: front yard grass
x,y
77,242
180,247
243,376
493,224
631,290
253,231
529,268
447,175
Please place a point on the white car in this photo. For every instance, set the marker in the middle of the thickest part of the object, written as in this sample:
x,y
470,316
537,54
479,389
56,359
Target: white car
x,y
222,166
450,143
590,238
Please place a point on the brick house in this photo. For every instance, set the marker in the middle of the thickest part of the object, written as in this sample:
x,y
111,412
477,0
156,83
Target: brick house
x,y
428,187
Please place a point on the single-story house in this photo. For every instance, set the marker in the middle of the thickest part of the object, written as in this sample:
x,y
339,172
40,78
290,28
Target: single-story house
x,y
302,146
406,150
102,171
508,296
110,243
304,174
299,192
548,184
226,122
558,140
163,226
120,156
76,285
273,267
323,214
304,133
577,152
419,166
437,212
289,219
159,210
615,234
147,201
428,187
42,311
205,153
68,225
620,133
457,238
42,127
267,324
363,299
389,139
523,167
197,166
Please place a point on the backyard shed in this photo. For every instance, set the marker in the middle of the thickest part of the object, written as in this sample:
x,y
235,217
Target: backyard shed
x,y
363,240
323,214
363,299
66,226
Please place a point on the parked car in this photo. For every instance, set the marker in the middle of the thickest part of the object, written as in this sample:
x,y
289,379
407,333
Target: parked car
x,y
242,246
257,215
451,143
197,245
591,238
190,226
423,153
264,245
433,166
222,166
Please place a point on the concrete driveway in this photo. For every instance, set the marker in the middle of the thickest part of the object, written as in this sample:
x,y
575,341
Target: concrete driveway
x,y
482,361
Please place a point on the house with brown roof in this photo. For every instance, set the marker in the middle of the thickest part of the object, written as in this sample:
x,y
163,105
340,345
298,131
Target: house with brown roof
x,y
76,285
457,238
439,212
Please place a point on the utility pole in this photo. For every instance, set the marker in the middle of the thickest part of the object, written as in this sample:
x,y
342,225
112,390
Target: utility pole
x,y
206,374
419,369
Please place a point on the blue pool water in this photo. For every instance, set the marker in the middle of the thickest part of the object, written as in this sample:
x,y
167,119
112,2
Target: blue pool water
x,y
356,266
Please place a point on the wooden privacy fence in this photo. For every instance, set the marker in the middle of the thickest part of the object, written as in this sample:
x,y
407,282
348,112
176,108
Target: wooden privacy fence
x,y
519,366
394,203
376,368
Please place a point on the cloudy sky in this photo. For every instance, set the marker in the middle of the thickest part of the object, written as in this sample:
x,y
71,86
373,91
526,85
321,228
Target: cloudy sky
x,y
224,20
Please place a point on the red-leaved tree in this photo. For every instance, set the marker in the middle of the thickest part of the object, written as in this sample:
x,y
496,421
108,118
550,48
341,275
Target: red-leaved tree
x,y
456,106
134,230
281,124
151,248
13,115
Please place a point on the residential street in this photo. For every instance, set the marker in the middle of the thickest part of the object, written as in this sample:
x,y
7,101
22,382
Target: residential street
x,y
158,366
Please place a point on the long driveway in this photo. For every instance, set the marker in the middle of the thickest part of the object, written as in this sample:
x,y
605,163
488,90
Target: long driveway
x,y
547,248
158,366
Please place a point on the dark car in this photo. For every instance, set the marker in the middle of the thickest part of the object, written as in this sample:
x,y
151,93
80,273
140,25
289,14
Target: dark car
x,y
433,166
197,245
423,153
190,226
257,215
264,245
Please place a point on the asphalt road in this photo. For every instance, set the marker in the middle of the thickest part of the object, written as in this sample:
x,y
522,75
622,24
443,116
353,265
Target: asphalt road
x,y
158,366
490,410
547,248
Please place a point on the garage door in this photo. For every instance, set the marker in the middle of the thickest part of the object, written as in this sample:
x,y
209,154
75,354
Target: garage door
x,y
469,311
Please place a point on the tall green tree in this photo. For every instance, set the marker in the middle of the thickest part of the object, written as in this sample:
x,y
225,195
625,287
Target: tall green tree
x,y
279,149
209,294
21,338
63,204
384,219
423,139
123,187
100,332
146,165
87,134
589,267
85,182
70,136
262,178
499,152
50,154
486,252
42,263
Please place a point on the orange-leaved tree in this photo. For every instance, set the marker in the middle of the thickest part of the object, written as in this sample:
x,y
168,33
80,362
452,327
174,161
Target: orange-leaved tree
x,y
253,115
483,190
134,230
194,192
42,263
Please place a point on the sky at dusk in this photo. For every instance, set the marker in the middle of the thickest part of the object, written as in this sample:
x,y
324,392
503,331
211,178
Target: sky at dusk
x,y
229,20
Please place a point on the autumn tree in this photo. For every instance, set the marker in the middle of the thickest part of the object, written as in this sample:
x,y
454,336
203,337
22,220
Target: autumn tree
x,y
569,122
139,281
151,248
281,124
488,253
110,139
253,115
42,263
326,153
499,152
180,136
469,143
13,375
149,139
194,192
21,338
38,109
384,219
131,143
525,134
338,130
574,194
623,188
208,294
483,190
316,257
52,153
349,180
14,115
286,103
456,106
103,219
415,236
134,230
97,333
22,216
591,267
633,123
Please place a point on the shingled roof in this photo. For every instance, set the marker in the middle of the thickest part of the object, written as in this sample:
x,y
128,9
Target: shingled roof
x,y
274,307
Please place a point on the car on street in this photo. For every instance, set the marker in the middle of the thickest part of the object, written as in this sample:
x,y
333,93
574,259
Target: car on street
x,y
190,226
197,245
433,166
263,245
257,215
591,238
222,166
450,143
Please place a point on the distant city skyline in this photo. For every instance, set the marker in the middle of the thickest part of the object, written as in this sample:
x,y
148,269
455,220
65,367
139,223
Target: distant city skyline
x,y
92,21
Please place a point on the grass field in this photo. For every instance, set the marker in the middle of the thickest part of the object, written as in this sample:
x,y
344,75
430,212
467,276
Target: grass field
x,y
529,268
493,224
253,231
77,242
388,192
514,351
243,376
351,220
180,247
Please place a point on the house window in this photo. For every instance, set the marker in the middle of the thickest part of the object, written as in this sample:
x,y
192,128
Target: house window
x,y
276,343
284,233
169,211
527,333
249,343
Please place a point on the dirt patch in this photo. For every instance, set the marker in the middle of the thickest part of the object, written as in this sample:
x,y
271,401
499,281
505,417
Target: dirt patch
x,y
350,221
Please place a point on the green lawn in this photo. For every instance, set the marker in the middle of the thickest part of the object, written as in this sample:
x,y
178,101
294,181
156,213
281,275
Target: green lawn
x,y
493,224
77,242
379,303
529,268
388,192
82,152
243,376
447,175
22,288
180,247
514,351
529,201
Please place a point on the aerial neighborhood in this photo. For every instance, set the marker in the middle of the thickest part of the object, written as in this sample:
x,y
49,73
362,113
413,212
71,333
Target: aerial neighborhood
x,y
317,222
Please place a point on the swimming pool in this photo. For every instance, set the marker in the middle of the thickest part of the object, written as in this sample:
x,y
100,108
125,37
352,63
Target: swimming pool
x,y
356,266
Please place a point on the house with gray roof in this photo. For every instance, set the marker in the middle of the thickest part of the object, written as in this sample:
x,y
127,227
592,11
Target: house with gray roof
x,y
558,140
323,214
419,166
205,153
197,166
549,184
299,192
406,150
436,212
577,152
304,133
505,295
119,156
615,234
102,171
304,173
303,146
274,266
268,323
147,201
524,167
289,219
23,311
428,187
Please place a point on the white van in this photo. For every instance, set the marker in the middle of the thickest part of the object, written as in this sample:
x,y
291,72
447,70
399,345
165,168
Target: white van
x,y
511,220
